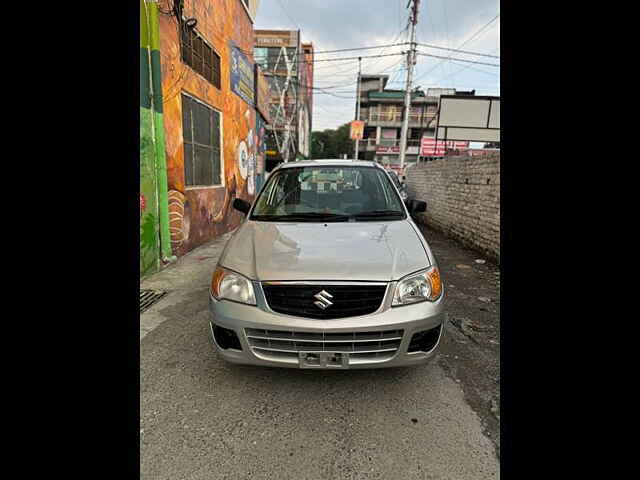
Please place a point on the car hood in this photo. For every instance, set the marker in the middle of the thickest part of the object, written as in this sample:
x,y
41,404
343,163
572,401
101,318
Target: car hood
x,y
338,251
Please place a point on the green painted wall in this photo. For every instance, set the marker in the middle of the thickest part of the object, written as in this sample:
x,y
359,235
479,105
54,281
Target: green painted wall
x,y
149,208
149,224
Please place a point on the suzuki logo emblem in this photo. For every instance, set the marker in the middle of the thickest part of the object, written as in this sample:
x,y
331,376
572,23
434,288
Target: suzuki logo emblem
x,y
323,299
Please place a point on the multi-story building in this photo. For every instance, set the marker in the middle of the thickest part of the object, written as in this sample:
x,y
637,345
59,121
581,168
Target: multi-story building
x,y
288,65
382,111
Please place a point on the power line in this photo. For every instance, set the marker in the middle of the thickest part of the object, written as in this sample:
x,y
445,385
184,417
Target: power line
x,y
462,45
287,13
360,48
323,69
472,68
323,88
446,23
336,96
459,51
393,45
459,60
342,59
480,31
476,69
395,40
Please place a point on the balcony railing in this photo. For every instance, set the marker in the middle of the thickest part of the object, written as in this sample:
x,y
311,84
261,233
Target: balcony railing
x,y
396,117
392,145
368,142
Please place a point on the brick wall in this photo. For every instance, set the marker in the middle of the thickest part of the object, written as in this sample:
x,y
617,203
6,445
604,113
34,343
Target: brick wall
x,y
463,199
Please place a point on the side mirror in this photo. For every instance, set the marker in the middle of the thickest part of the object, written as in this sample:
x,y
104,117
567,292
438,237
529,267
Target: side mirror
x,y
241,205
416,206
419,206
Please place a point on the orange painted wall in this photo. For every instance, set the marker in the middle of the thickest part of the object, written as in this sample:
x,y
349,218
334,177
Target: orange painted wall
x,y
199,214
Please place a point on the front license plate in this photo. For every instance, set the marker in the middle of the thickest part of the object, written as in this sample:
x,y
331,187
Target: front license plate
x,y
323,359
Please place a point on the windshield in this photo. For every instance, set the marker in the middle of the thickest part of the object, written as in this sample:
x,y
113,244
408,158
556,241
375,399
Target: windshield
x,y
395,179
319,193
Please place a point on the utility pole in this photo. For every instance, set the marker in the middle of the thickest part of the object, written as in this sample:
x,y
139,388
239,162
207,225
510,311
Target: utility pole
x,y
411,61
358,107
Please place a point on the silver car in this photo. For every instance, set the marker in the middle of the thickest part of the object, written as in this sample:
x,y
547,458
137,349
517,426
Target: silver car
x,y
327,271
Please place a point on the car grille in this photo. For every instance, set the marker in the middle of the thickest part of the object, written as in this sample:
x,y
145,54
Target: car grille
x,y
348,300
362,347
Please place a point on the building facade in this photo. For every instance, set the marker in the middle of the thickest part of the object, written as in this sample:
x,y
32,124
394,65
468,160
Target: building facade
x,y
288,66
382,110
212,135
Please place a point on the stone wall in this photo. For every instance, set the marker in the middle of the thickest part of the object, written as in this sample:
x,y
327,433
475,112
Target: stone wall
x,y
463,199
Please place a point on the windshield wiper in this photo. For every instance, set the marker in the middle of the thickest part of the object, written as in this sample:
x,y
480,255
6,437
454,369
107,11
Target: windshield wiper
x,y
379,213
268,217
319,216
304,216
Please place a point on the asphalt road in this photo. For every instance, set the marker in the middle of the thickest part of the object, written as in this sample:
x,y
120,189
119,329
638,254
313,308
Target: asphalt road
x,y
202,418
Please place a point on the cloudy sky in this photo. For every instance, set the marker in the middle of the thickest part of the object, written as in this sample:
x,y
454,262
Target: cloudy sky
x,y
338,24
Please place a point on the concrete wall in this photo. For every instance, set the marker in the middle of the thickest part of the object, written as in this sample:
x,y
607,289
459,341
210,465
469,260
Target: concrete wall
x,y
463,199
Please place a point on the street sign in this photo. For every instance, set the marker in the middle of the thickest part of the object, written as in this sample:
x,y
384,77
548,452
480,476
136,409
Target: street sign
x,y
384,149
357,129
428,147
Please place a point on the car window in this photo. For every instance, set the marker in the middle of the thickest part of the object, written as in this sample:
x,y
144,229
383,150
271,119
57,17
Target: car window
x,y
395,179
344,192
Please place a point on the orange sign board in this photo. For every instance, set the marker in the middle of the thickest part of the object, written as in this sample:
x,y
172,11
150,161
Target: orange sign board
x,y
357,129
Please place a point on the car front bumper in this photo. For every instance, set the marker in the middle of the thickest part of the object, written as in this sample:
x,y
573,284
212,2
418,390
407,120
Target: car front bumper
x,y
409,318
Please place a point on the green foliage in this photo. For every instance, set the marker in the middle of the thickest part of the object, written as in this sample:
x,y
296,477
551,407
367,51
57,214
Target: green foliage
x,y
332,143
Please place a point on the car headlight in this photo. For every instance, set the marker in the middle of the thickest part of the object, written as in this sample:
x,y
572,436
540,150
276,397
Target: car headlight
x,y
229,285
424,286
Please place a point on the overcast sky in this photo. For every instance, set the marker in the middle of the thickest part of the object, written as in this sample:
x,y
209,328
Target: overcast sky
x,y
337,24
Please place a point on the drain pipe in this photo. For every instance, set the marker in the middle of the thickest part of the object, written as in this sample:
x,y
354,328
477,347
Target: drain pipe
x,y
157,125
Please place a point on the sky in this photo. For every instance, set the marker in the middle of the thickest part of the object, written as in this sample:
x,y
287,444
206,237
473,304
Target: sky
x,y
340,24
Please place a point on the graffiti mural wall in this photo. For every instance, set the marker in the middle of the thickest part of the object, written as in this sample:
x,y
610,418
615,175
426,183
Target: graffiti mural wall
x,y
198,214
261,149
149,238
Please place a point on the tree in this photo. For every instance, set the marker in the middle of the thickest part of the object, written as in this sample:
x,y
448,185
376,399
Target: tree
x,y
332,143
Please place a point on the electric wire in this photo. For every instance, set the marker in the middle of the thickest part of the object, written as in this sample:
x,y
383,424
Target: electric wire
x,y
459,60
343,59
295,24
360,48
478,32
467,52
446,25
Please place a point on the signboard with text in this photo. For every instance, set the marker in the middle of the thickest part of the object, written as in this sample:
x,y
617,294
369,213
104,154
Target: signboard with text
x,y
242,75
383,149
428,147
357,129
276,38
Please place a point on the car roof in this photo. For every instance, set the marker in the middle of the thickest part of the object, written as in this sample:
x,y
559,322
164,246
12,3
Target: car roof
x,y
331,162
